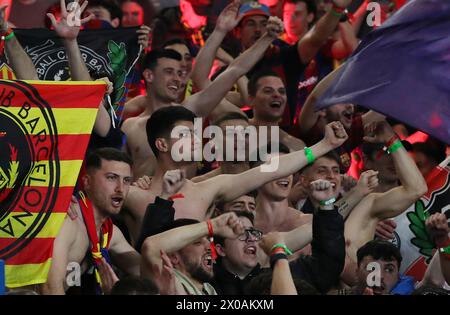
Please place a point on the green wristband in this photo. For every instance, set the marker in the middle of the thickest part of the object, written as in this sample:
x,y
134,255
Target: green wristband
x,y
327,202
288,252
10,36
309,155
445,250
395,146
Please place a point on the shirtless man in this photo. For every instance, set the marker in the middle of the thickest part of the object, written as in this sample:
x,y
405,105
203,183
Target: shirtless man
x,y
162,75
361,223
198,197
272,206
229,124
268,99
106,184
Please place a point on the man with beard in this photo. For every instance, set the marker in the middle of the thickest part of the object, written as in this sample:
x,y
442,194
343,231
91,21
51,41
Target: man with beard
x,y
186,243
106,184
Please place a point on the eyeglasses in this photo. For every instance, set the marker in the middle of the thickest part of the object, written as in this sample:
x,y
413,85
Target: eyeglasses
x,y
256,234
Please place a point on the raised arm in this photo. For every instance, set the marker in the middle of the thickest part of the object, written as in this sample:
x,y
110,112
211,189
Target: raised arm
x,y
203,102
347,42
437,227
367,183
229,187
226,225
308,116
68,29
18,59
282,281
311,43
228,19
413,185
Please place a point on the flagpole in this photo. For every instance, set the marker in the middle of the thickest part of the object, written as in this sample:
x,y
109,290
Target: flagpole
x,y
2,277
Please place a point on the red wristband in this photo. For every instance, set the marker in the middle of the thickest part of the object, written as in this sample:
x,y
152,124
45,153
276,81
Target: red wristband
x,y
338,9
210,228
212,246
444,244
176,196
277,251
391,141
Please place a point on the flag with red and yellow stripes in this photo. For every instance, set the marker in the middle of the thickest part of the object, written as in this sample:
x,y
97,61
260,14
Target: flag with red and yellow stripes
x,y
44,132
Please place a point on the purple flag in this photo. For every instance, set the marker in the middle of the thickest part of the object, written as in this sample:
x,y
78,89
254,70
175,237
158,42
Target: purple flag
x,y
402,69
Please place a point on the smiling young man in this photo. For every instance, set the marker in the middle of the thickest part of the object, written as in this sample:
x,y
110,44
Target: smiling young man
x,y
268,97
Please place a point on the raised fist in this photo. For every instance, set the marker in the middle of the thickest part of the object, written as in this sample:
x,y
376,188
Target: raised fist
x,y
335,134
274,27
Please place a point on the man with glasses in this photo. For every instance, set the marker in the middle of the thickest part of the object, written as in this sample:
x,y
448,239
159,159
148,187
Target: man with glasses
x,y
238,259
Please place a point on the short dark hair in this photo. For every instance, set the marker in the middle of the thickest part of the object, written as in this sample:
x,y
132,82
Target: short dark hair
x,y
432,149
331,155
163,120
221,204
261,285
132,285
230,116
111,5
311,6
379,249
94,158
270,149
220,240
252,84
151,59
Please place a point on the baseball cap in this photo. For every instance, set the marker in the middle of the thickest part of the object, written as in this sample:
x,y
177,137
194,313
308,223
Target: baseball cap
x,y
254,8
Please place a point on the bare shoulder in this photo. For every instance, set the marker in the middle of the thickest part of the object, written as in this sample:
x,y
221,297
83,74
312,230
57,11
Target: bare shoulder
x,y
128,124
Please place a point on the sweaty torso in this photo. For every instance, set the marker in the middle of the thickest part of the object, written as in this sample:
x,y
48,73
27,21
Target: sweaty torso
x,y
286,221
359,229
194,204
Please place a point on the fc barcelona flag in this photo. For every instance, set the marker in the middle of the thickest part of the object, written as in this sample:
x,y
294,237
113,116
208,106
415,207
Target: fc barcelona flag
x,y
110,51
44,132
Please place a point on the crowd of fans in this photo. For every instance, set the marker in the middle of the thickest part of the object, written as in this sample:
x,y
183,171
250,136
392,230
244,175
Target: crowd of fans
x,y
322,222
